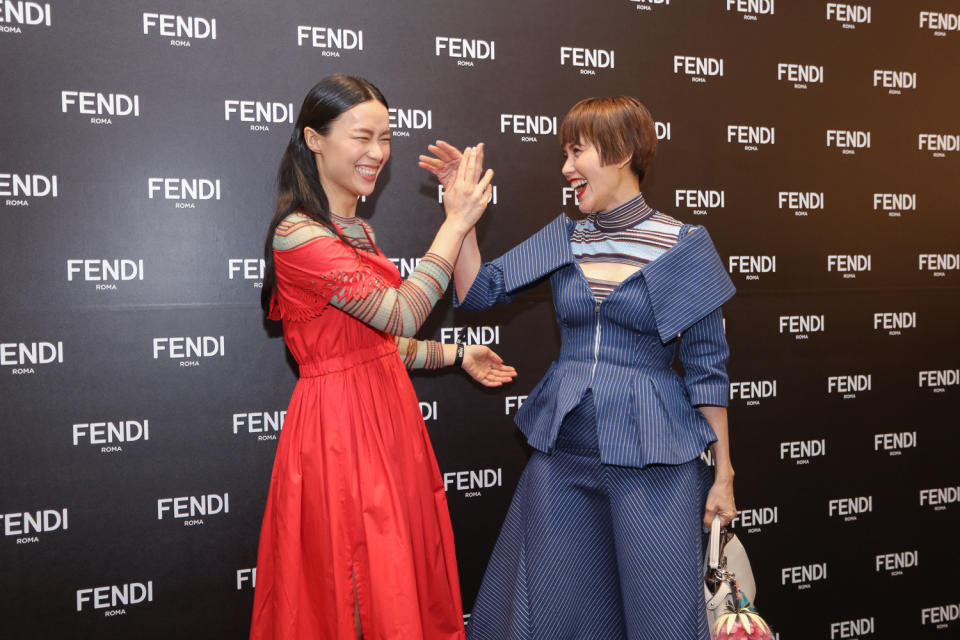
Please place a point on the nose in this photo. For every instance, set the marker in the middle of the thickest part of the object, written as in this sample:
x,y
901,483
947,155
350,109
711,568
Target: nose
x,y
375,152
567,170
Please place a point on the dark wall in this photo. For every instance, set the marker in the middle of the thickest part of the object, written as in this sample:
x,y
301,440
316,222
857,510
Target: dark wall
x,y
843,333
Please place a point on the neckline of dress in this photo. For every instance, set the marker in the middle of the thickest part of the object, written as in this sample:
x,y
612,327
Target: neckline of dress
x,y
629,214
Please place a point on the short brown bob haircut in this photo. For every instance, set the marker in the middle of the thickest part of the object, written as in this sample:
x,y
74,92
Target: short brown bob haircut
x,y
619,127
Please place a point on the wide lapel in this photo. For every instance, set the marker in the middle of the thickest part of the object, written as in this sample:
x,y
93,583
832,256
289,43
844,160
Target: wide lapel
x,y
538,256
686,283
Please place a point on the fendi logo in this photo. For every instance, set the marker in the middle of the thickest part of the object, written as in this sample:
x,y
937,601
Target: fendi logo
x,y
751,9
265,424
894,204
938,22
190,349
753,391
115,597
246,578
803,450
803,576
699,69
939,498
895,563
16,188
801,75
894,81
468,51
23,356
752,520
940,616
470,482
512,403
428,410
852,629
259,114
179,28
802,326
700,201
850,385
588,60
330,41
938,380
528,127
850,15
893,322
850,265
247,269
111,436
184,192
895,443
405,120
26,525
192,509
15,14
850,508
939,263
939,144
800,202
472,335
848,141
753,266
102,107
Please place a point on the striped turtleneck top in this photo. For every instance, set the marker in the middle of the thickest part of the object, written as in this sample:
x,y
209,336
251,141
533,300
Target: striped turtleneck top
x,y
631,234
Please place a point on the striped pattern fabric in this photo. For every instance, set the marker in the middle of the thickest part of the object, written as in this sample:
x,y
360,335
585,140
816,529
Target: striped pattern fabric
x,y
623,347
591,551
632,234
601,288
398,311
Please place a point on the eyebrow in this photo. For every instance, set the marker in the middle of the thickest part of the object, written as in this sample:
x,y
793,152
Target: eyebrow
x,y
369,132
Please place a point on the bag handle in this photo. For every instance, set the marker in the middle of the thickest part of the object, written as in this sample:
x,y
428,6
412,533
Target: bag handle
x,y
713,548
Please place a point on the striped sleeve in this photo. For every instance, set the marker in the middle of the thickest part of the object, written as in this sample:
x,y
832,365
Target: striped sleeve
x,y
534,259
403,310
420,354
704,353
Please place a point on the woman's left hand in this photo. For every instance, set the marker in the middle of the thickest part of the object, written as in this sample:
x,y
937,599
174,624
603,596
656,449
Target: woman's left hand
x,y
443,163
486,367
720,501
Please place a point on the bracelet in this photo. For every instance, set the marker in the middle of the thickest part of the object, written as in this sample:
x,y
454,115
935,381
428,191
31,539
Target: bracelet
x,y
459,359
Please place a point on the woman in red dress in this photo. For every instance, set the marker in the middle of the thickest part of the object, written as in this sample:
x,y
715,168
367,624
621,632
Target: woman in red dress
x,y
356,538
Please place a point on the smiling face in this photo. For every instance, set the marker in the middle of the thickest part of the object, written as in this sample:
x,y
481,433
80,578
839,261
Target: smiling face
x,y
599,187
351,154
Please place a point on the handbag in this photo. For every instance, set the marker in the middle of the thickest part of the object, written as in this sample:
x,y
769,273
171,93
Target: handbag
x,y
729,588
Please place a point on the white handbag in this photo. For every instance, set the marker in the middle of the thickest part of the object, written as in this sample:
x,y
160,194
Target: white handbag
x,y
725,566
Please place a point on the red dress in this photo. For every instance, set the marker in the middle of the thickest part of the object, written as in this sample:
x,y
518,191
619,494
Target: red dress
x,y
355,489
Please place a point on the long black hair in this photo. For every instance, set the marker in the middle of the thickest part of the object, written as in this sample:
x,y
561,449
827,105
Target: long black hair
x,y
298,181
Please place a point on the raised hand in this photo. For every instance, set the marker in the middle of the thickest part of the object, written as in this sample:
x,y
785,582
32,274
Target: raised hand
x,y
468,193
486,367
444,164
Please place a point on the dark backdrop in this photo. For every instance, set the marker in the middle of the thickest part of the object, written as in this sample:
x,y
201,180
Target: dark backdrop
x,y
849,522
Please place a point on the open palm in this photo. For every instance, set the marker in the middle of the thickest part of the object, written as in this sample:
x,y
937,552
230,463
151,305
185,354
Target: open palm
x,y
486,367
444,161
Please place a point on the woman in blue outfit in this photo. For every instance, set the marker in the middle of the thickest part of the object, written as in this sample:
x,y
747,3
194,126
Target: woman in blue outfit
x,y
603,538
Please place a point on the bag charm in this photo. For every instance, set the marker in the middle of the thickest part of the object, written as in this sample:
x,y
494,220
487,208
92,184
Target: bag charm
x,y
730,611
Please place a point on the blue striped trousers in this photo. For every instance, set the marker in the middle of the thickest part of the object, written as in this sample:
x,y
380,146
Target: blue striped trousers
x,y
590,551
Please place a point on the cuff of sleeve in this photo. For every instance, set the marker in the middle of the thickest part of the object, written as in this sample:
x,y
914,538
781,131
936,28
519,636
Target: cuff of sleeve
x,y
482,292
716,395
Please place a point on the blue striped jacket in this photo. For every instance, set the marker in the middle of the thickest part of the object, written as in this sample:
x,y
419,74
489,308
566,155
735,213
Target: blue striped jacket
x,y
623,347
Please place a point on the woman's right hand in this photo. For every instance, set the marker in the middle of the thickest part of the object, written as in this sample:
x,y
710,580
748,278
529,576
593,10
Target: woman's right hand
x,y
466,198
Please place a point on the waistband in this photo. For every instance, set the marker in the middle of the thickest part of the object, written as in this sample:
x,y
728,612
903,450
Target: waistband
x,y
346,360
